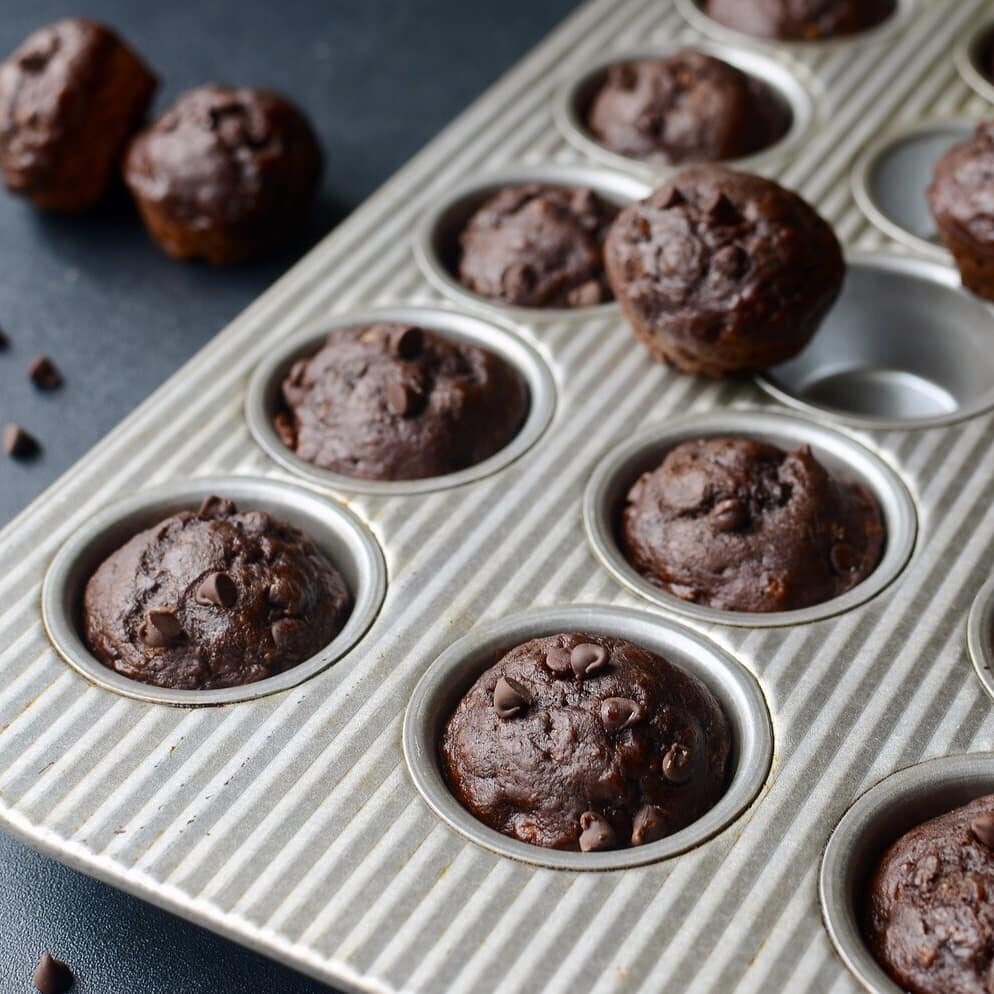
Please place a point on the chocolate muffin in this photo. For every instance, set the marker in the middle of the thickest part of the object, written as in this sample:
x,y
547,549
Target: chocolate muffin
x,y
685,107
961,197
586,742
800,20
740,525
538,246
70,97
216,598
722,272
930,917
225,174
396,402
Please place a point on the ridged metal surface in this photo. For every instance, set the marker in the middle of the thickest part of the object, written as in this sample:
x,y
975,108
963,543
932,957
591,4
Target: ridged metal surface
x,y
290,824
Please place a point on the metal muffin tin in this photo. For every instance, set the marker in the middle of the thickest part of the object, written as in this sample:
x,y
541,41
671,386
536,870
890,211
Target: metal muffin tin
x,y
455,671
980,635
262,397
843,456
290,822
344,539
904,347
788,81
968,54
436,243
880,817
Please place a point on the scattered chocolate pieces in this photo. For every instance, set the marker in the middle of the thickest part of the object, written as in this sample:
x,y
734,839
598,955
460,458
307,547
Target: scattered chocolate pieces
x,y
161,629
510,697
17,443
558,660
676,764
649,825
597,833
52,976
983,831
587,659
217,590
44,374
619,713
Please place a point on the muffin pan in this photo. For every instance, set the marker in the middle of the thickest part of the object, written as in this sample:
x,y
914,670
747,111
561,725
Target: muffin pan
x,y
262,397
453,673
345,540
575,97
290,821
843,456
977,42
980,635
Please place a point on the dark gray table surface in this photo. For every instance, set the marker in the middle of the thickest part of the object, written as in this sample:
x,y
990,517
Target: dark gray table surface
x,y
379,78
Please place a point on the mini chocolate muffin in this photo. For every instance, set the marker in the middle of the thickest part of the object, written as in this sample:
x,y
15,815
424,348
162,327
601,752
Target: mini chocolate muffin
x,y
586,742
722,272
216,598
961,197
396,402
70,97
740,525
685,107
225,174
929,915
538,246
800,20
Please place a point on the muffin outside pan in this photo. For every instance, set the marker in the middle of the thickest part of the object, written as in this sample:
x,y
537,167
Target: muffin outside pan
x,y
456,669
341,536
436,245
263,397
574,99
881,816
904,347
617,472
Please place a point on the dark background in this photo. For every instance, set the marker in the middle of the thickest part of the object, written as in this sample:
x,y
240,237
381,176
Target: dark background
x,y
379,78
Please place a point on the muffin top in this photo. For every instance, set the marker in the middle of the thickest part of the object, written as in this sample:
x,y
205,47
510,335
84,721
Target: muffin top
x,y
930,918
226,156
741,525
397,402
800,20
733,270
962,191
214,598
685,107
578,741
538,246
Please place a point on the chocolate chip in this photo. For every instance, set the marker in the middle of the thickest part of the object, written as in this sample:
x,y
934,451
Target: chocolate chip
x,y
983,830
596,833
160,629
217,590
403,399
510,697
587,659
558,659
52,976
297,373
676,764
843,558
44,374
17,443
216,507
618,713
729,515
408,342
720,210
285,429
673,198
731,261
649,825
285,632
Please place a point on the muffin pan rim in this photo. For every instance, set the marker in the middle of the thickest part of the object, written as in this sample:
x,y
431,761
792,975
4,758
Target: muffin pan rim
x,y
980,635
872,156
627,186
898,506
953,772
965,57
61,591
496,335
453,671
902,16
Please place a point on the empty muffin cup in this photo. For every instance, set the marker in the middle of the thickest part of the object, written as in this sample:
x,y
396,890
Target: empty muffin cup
x,y
892,176
436,244
980,635
879,818
975,61
345,540
904,347
842,456
574,100
456,669
263,399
